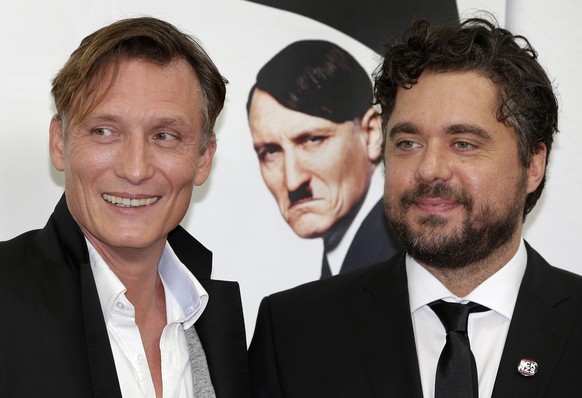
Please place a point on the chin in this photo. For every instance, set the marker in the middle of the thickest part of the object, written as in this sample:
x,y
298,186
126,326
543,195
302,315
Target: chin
x,y
308,234
308,230
130,241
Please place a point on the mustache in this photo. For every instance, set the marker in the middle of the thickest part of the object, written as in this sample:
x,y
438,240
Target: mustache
x,y
303,192
437,190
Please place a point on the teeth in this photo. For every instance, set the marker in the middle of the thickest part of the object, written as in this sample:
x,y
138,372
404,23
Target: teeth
x,y
128,202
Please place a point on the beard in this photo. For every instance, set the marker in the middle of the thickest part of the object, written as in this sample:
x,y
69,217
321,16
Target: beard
x,y
481,232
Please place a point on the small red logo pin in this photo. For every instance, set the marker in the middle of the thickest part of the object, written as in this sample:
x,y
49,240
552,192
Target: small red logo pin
x,y
527,367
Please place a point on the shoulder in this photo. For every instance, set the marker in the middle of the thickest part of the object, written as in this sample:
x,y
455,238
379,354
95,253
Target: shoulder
x,y
17,243
559,286
36,263
322,295
14,253
571,281
537,265
324,287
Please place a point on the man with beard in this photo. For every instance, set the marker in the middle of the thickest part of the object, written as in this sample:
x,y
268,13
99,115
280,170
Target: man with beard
x,y
468,309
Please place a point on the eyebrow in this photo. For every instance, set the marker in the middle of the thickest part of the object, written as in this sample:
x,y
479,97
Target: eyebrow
x,y
403,127
305,135
453,129
298,138
108,118
98,119
468,129
260,146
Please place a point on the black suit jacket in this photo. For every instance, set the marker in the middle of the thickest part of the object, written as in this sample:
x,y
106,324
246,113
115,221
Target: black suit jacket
x,y
352,336
53,339
374,242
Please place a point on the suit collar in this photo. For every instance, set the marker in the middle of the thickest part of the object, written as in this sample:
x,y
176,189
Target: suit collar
x,y
539,329
192,253
71,245
374,241
221,331
381,315
71,242
71,239
196,257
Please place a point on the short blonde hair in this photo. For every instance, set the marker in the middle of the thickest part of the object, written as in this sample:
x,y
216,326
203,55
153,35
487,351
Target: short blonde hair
x,y
150,39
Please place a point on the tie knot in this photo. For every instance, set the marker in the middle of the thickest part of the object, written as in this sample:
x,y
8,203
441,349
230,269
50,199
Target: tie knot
x,y
455,316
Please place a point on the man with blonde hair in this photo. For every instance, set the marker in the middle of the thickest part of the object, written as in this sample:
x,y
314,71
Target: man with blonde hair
x,y
112,297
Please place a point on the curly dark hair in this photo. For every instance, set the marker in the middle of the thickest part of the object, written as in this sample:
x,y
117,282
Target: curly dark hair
x,y
526,100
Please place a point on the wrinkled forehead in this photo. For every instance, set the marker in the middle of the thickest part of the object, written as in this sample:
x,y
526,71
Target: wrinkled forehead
x,y
91,94
269,120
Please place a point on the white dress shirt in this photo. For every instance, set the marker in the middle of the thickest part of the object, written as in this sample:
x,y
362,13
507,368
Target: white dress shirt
x,y
185,301
487,330
336,256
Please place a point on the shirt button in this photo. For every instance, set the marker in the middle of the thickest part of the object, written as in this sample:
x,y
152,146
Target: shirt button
x,y
120,305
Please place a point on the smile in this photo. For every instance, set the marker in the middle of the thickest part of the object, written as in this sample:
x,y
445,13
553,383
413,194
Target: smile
x,y
129,202
437,204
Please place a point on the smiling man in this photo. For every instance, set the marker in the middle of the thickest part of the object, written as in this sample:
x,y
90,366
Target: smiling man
x,y
468,309
317,139
113,297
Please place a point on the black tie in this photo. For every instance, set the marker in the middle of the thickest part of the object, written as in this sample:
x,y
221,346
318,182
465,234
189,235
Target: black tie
x,y
325,270
456,375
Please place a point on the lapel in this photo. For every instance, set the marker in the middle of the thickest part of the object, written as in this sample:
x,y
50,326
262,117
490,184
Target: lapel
x,y
539,330
380,312
221,327
374,241
100,357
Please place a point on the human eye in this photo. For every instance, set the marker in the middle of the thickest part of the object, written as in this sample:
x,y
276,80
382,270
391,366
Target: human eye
x,y
268,153
406,145
313,141
464,145
315,138
102,131
165,136
167,139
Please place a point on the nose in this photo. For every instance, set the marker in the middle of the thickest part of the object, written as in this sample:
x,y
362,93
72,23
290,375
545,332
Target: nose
x,y
134,162
434,165
295,171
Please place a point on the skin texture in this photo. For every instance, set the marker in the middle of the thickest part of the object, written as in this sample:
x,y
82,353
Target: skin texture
x,y
455,187
142,141
318,171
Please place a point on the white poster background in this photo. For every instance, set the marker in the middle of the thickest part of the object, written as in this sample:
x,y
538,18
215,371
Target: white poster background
x,y
233,213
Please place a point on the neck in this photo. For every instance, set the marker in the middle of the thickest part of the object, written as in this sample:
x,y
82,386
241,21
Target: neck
x,y
136,268
462,281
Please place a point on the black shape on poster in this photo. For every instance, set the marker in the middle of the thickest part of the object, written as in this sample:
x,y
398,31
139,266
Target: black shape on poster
x,y
369,21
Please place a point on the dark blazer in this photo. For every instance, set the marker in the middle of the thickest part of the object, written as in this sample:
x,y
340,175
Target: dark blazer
x,y
53,339
374,242
351,336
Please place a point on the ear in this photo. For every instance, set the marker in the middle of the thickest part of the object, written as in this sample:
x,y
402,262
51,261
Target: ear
x,y
204,162
536,169
371,124
57,143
